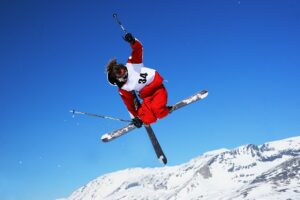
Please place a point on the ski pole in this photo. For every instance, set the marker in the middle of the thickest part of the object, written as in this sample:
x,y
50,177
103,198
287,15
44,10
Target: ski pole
x,y
122,27
99,116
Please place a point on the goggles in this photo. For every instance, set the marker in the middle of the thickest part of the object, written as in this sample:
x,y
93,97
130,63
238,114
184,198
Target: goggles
x,y
122,77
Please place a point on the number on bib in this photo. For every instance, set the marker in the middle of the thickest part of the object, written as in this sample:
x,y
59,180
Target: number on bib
x,y
143,78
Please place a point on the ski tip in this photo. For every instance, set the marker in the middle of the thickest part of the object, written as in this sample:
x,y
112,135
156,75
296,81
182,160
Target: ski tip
x,y
163,159
204,94
105,138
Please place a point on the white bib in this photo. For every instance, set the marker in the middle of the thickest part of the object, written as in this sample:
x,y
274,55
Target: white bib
x,y
138,77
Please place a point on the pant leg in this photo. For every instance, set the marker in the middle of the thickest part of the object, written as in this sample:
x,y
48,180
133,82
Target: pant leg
x,y
159,103
145,113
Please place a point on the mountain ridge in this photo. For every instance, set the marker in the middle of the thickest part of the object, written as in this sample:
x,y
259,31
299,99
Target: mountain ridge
x,y
267,171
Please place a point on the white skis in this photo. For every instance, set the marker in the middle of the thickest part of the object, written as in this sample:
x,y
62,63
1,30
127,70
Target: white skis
x,y
158,150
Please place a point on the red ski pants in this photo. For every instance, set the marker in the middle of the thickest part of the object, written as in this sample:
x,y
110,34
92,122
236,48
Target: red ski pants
x,y
154,107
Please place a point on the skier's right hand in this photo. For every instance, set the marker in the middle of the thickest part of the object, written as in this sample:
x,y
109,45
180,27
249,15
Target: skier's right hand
x,y
137,122
129,38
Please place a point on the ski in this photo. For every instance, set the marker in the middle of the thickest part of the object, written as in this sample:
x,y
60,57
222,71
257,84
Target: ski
x,y
195,97
119,132
157,148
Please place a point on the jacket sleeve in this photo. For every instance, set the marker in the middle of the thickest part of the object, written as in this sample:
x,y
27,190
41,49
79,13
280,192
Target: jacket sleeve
x,y
128,99
137,53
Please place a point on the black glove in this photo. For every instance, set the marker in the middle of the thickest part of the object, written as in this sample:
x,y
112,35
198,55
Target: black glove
x,y
129,38
137,122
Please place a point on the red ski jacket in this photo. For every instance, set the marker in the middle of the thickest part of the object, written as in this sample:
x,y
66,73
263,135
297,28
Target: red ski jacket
x,y
147,90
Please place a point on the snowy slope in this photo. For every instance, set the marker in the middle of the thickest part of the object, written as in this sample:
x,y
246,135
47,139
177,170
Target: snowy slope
x,y
269,171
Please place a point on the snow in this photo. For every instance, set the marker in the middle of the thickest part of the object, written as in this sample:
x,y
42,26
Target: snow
x,y
214,152
268,171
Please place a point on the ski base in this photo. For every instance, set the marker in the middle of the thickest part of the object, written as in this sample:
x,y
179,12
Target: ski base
x,y
117,133
157,148
196,97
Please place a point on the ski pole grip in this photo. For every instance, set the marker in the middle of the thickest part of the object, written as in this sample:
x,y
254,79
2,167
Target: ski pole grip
x,y
116,17
118,21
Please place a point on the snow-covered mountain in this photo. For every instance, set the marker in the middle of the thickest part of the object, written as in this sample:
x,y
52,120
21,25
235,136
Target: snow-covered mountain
x,y
266,172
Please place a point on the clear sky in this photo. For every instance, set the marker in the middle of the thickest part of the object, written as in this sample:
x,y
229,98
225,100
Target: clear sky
x,y
52,59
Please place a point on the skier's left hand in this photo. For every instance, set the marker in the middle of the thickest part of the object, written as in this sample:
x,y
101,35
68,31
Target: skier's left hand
x,y
137,122
129,38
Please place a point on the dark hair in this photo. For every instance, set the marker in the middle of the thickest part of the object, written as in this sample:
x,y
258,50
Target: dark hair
x,y
113,68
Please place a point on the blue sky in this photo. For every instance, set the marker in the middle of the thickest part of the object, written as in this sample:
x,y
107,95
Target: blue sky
x,y
52,57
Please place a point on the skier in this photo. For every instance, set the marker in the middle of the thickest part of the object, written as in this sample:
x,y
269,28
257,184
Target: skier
x,y
135,77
